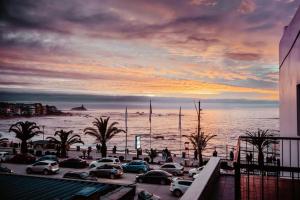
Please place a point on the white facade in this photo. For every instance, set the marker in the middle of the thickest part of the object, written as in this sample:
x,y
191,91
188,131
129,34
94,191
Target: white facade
x,y
289,78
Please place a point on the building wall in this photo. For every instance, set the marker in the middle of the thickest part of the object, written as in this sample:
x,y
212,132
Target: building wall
x,y
289,77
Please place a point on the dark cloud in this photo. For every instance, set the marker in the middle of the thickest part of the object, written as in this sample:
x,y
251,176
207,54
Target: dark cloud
x,y
17,70
243,56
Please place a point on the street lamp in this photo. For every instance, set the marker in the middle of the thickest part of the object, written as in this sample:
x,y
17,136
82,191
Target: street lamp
x,y
43,126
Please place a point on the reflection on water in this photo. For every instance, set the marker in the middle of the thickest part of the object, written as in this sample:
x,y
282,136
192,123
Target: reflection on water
x,y
227,121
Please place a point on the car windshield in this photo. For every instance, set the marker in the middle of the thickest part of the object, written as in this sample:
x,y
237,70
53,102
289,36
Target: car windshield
x,y
84,175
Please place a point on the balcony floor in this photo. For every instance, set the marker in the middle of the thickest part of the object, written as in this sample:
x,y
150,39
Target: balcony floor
x,y
287,189
224,188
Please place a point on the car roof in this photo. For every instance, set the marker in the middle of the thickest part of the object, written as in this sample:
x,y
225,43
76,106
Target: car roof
x,y
47,161
72,172
158,170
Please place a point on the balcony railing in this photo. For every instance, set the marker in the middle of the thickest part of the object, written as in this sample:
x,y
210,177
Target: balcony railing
x,y
278,160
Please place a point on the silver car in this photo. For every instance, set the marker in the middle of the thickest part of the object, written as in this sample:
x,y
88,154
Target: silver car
x,y
173,168
46,167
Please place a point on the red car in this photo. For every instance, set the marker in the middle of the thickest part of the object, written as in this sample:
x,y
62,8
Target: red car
x,y
23,159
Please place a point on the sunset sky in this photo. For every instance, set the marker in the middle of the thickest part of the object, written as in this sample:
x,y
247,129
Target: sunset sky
x,y
220,49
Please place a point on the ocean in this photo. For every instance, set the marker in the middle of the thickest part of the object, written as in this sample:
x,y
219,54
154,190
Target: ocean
x,y
227,120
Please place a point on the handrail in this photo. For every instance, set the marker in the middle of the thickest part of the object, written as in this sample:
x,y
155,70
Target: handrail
x,y
203,183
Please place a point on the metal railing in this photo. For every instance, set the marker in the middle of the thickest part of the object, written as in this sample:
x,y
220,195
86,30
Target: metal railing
x,y
278,159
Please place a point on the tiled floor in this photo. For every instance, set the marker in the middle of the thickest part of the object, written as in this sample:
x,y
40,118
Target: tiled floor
x,y
287,189
224,188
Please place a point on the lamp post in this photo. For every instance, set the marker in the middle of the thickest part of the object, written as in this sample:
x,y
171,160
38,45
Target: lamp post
x,y
43,126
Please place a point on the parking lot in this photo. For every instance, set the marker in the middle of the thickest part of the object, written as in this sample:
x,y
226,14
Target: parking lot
x,y
128,178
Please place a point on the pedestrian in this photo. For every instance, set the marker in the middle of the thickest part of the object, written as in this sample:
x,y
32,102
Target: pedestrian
x,y
98,148
89,151
215,153
114,150
231,155
196,154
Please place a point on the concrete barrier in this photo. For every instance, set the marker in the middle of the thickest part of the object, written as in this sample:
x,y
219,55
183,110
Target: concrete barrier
x,y
203,185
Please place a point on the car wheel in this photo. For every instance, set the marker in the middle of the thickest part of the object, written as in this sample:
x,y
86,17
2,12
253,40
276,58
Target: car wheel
x,y
45,172
92,174
111,176
163,182
92,166
141,171
177,193
29,171
140,180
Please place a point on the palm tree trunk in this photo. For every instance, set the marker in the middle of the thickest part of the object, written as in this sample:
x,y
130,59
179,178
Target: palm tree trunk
x,y
103,150
200,158
260,157
63,151
24,147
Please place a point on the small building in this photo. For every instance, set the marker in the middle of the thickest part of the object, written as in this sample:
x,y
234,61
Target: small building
x,y
38,109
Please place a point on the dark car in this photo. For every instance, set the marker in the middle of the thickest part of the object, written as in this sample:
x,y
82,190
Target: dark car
x,y
155,176
108,170
48,157
80,176
23,159
138,166
5,170
73,163
144,195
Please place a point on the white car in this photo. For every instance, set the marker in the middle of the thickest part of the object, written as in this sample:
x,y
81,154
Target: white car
x,y
194,171
179,186
173,168
104,161
46,167
4,156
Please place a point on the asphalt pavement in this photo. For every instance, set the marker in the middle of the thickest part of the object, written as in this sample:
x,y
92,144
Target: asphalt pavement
x,y
128,178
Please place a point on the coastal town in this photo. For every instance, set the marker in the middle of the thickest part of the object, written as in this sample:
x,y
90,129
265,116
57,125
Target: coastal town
x,y
8,110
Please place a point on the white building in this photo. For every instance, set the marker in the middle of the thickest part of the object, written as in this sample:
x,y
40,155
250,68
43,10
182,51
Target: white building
x,y
289,90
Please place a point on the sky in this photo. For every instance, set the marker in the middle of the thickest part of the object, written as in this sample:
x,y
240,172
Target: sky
x,y
214,49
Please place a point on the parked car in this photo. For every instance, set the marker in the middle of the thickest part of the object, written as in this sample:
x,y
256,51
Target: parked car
x,y
155,176
144,195
46,167
5,170
138,166
179,186
108,170
195,171
23,159
73,163
104,161
80,176
48,157
173,168
4,156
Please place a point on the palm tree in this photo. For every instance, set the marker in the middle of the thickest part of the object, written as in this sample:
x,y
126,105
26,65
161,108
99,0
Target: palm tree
x,y
199,141
261,139
25,131
103,132
3,140
64,140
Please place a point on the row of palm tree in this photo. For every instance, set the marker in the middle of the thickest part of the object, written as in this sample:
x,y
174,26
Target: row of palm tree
x,y
101,130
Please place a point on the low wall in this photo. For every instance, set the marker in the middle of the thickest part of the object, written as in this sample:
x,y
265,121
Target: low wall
x,y
203,185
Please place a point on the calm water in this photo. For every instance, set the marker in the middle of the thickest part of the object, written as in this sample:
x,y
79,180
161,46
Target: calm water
x,y
227,120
